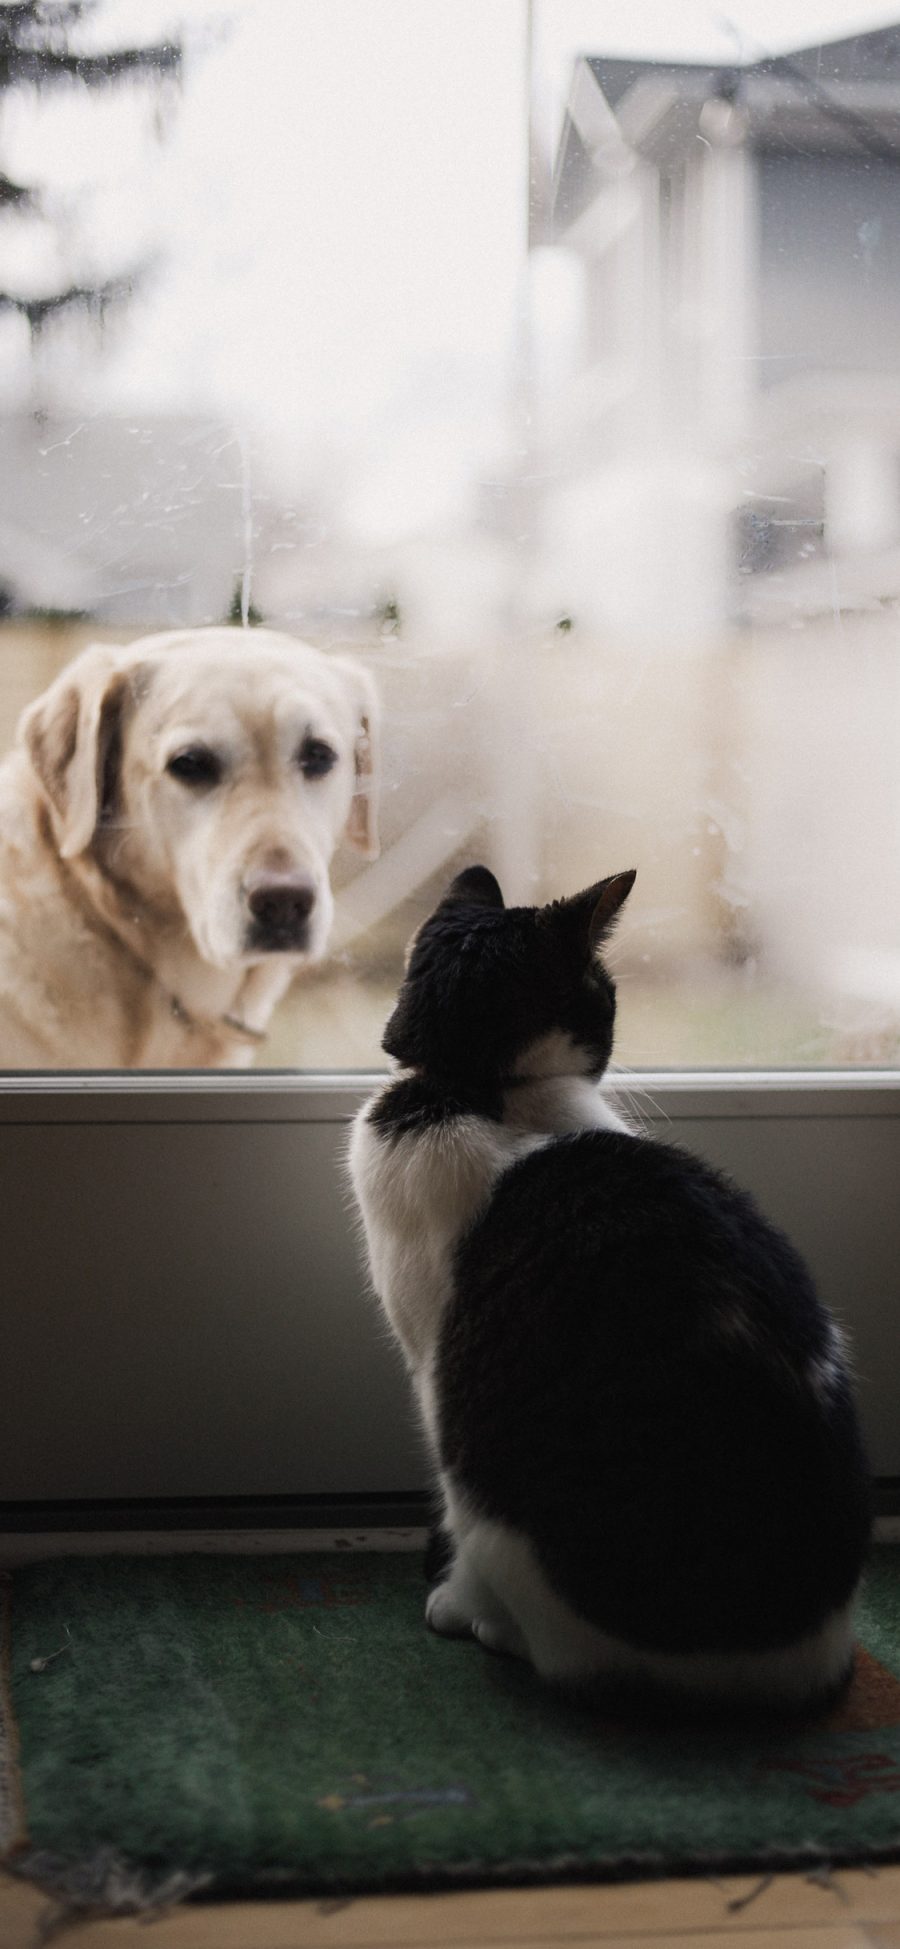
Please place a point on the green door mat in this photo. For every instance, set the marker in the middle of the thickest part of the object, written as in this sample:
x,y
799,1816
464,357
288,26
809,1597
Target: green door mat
x,y
236,1724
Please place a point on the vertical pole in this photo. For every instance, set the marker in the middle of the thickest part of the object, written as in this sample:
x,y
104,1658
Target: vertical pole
x,y
512,759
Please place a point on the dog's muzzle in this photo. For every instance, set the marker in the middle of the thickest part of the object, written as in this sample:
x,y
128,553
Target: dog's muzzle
x,y
279,905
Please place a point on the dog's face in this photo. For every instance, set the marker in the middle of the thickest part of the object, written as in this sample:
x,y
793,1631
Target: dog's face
x,y
213,773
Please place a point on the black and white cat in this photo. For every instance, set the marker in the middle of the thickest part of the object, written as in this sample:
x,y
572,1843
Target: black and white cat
x,y
648,1452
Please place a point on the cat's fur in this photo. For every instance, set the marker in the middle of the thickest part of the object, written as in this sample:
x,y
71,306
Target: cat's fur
x,y
645,1438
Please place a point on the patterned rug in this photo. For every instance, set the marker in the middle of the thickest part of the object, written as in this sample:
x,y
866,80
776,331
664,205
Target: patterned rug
x,y
224,1725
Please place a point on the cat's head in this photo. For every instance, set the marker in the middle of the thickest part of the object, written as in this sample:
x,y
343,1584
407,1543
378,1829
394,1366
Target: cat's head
x,y
494,992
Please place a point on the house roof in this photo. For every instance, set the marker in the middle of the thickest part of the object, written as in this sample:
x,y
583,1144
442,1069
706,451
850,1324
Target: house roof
x,y
841,97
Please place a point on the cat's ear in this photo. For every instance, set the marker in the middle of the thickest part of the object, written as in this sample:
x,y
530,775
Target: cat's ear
x,y
476,886
610,896
593,914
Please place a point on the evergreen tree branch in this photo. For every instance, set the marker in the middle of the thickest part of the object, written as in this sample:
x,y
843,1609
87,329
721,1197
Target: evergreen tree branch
x,y
15,195
41,67
90,298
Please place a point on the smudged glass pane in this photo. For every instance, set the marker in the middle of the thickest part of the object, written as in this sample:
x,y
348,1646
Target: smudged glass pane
x,y
544,361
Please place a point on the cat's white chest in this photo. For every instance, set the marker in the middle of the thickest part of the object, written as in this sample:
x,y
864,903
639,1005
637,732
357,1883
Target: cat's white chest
x,y
419,1192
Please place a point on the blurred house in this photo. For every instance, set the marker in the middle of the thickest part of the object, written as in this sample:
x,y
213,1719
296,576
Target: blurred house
x,y
723,452
733,429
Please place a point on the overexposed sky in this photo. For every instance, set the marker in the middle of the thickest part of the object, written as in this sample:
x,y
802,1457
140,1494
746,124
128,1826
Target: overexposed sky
x,y
338,212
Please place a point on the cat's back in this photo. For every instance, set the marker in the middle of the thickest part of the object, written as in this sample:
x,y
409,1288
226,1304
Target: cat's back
x,y
612,1248
635,1370
603,1204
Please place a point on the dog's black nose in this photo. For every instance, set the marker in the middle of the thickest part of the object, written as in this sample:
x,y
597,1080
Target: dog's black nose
x,y
280,905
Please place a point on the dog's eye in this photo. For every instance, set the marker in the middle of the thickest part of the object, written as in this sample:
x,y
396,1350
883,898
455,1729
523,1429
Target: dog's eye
x,y
195,766
315,757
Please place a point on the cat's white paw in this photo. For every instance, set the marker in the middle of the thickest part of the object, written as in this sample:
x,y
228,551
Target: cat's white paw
x,y
500,1635
446,1615
450,1615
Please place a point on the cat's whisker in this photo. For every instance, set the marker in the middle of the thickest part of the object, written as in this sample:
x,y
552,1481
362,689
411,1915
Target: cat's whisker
x,y
635,1097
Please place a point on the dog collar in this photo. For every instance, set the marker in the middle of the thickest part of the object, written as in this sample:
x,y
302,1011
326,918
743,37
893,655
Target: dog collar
x,y
206,1025
211,1024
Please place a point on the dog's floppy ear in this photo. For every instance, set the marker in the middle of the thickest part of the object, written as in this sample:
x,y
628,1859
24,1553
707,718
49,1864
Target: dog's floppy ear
x,y
66,732
361,829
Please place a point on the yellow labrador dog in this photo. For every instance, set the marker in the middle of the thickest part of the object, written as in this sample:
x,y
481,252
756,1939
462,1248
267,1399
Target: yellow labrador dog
x,y
166,826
